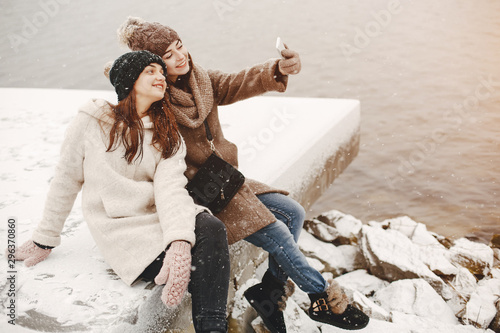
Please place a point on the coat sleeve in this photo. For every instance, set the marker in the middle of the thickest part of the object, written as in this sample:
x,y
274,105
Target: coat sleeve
x,y
65,185
176,209
250,82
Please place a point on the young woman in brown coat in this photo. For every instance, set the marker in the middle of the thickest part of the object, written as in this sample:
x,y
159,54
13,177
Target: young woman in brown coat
x,y
258,213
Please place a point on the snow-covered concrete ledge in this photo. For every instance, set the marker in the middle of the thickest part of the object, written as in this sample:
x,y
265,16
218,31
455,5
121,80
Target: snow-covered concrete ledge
x,y
297,144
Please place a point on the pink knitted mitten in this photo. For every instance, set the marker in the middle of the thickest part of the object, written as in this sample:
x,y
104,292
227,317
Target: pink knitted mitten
x,y
175,273
31,254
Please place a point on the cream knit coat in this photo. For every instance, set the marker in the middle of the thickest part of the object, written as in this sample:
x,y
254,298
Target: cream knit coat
x,y
134,211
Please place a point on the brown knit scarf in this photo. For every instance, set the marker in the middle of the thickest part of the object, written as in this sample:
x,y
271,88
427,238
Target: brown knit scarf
x,y
191,110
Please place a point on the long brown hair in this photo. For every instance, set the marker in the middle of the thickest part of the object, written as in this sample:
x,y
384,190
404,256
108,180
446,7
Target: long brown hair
x,y
128,129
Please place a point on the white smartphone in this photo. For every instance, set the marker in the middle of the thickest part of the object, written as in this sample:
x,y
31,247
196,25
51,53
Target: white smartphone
x,y
279,45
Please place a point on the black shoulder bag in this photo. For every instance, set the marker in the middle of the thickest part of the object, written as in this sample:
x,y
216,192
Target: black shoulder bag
x,y
216,181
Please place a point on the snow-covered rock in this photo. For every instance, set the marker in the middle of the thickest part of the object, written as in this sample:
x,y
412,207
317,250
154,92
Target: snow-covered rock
x,y
347,226
374,326
496,255
369,307
361,281
464,282
429,249
415,297
327,253
301,298
321,231
391,256
418,324
316,264
416,232
476,257
495,324
481,308
353,256
297,320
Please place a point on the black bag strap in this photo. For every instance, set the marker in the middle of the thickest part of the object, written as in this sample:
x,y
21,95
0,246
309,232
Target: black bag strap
x,y
209,135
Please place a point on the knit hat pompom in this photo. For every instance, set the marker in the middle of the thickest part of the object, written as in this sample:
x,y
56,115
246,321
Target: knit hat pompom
x,y
107,68
127,69
127,30
138,34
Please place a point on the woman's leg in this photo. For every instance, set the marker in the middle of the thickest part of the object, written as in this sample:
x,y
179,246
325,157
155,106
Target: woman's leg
x,y
210,276
292,214
276,239
280,240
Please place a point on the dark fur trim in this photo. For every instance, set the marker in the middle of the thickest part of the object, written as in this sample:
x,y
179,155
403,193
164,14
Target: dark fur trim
x,y
289,289
337,300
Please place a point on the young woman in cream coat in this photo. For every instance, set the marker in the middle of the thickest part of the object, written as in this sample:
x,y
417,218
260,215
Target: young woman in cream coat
x,y
128,159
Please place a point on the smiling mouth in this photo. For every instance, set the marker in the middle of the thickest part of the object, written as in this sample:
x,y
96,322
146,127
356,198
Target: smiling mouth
x,y
182,64
160,86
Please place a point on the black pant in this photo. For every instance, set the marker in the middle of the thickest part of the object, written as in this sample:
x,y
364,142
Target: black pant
x,y
210,275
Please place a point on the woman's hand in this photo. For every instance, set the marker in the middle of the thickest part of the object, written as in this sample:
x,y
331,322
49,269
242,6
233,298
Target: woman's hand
x,y
290,64
175,273
30,253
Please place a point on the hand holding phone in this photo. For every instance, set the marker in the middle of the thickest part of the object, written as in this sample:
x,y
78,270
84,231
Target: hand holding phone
x,y
279,45
289,64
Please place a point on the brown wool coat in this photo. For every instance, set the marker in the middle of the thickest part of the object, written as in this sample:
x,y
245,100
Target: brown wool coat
x,y
245,214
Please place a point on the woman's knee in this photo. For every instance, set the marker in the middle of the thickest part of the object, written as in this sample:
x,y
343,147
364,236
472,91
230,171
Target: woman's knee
x,y
209,226
284,207
272,237
298,212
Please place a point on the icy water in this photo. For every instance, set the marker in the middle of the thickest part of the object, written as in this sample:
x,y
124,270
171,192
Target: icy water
x,y
427,74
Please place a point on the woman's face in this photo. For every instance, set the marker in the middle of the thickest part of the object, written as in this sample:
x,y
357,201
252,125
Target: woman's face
x,y
151,84
177,60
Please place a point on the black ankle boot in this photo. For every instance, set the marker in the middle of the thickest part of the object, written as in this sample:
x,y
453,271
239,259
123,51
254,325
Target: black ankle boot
x,y
268,299
327,307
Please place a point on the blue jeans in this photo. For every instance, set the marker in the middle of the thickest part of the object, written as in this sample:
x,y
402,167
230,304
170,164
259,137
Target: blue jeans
x,y
280,240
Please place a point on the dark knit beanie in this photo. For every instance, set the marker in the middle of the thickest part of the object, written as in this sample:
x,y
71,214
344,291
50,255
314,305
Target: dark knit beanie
x,y
138,34
127,68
